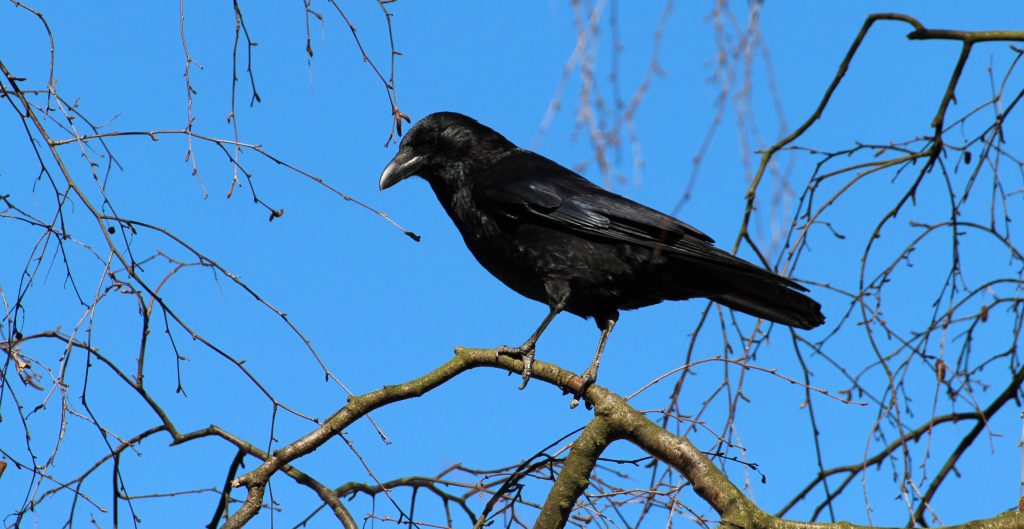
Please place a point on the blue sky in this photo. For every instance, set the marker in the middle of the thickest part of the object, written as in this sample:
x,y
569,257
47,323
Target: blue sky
x,y
381,309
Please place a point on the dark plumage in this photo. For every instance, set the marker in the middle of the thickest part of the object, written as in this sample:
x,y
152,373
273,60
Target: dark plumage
x,y
553,236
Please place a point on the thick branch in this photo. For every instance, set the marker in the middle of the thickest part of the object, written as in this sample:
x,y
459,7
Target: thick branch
x,y
614,419
359,406
574,479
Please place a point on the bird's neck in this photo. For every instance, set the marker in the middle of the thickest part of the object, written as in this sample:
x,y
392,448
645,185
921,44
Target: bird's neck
x,y
452,187
453,184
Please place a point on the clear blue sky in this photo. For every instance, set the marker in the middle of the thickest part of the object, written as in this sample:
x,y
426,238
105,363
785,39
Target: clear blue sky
x,y
381,309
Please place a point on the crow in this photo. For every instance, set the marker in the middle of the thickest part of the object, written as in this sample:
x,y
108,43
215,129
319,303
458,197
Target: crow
x,y
553,236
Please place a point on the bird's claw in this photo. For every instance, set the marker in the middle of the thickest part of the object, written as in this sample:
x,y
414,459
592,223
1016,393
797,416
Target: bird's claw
x,y
588,378
526,352
527,369
508,351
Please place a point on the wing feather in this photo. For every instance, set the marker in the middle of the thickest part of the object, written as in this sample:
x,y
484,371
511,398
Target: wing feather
x,y
528,187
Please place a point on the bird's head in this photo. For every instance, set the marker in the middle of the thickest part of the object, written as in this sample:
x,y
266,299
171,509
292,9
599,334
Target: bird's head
x,y
442,140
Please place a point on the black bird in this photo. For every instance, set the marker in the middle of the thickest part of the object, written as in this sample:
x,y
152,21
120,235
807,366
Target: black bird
x,y
555,237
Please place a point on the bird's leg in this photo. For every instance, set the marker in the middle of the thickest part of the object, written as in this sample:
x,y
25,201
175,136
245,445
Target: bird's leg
x,y
558,298
590,374
528,349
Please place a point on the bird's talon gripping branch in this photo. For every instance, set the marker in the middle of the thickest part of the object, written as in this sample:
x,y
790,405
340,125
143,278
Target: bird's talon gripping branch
x,y
588,378
526,352
527,368
506,350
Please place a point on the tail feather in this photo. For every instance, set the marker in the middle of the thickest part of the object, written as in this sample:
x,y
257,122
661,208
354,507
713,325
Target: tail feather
x,y
768,298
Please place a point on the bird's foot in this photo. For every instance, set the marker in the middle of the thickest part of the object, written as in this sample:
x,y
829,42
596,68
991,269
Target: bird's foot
x,y
588,378
526,352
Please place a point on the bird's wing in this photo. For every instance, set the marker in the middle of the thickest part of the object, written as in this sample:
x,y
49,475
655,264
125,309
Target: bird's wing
x,y
526,179
529,187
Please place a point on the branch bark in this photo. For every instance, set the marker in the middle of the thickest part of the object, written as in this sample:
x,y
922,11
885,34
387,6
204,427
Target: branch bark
x,y
574,479
614,419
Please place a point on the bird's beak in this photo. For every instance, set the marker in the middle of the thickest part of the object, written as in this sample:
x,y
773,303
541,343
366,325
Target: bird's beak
x,y
402,166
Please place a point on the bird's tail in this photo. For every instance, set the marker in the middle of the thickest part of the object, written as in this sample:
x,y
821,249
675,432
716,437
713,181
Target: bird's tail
x,y
766,296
